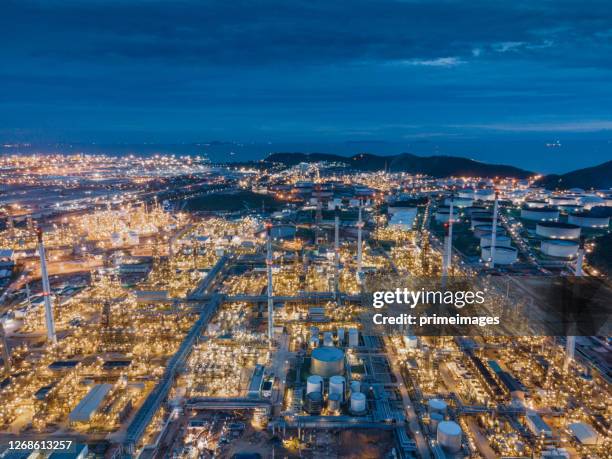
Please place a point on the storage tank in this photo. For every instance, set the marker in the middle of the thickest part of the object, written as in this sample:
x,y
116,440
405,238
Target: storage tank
x,y
116,239
328,339
557,230
333,402
434,421
459,202
358,403
442,216
411,341
589,220
500,240
559,248
327,361
337,385
536,203
562,200
503,255
471,211
449,436
353,337
313,403
477,221
485,195
314,383
132,237
355,386
314,341
435,405
540,214
481,230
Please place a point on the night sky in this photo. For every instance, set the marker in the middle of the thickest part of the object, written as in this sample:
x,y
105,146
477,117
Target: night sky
x,y
398,71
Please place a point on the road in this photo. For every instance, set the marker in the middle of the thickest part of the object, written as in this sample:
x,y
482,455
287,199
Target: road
x,y
411,416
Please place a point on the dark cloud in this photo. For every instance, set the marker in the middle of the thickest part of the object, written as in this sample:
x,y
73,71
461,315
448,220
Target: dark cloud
x,y
231,66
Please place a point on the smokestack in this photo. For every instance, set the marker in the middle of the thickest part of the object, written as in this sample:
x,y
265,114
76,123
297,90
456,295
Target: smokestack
x,y
6,356
337,249
359,249
494,230
269,270
51,336
449,246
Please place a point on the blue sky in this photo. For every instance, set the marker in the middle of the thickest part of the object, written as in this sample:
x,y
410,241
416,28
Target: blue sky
x,y
142,70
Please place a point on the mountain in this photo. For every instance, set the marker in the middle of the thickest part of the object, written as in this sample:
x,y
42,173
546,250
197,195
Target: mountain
x,y
599,177
436,166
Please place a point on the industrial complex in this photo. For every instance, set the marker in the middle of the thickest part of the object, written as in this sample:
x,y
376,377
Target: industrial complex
x,y
137,320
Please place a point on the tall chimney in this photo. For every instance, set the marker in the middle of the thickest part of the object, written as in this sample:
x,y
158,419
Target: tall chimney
x,y
337,250
449,246
51,336
578,271
494,230
359,249
269,270
6,356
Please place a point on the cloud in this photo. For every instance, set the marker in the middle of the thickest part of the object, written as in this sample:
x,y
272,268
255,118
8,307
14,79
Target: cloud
x,y
437,62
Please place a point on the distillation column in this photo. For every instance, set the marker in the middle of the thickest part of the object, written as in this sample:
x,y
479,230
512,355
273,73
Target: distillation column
x,y
494,230
269,270
359,244
51,336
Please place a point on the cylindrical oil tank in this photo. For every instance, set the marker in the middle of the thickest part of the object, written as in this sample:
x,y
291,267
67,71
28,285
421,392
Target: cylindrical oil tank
x,y
470,211
459,202
435,405
485,195
353,337
313,403
337,385
589,220
314,383
559,248
540,214
481,230
479,221
449,436
442,216
536,203
562,200
358,403
500,239
328,339
503,255
355,386
327,361
333,402
557,230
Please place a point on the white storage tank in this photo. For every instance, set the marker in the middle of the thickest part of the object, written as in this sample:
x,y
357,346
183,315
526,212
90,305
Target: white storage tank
x,y
500,240
327,361
353,337
589,220
503,255
540,214
442,216
411,341
328,339
355,386
481,230
358,403
314,383
485,195
435,405
459,202
559,248
337,385
562,200
557,230
479,221
449,436
536,203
